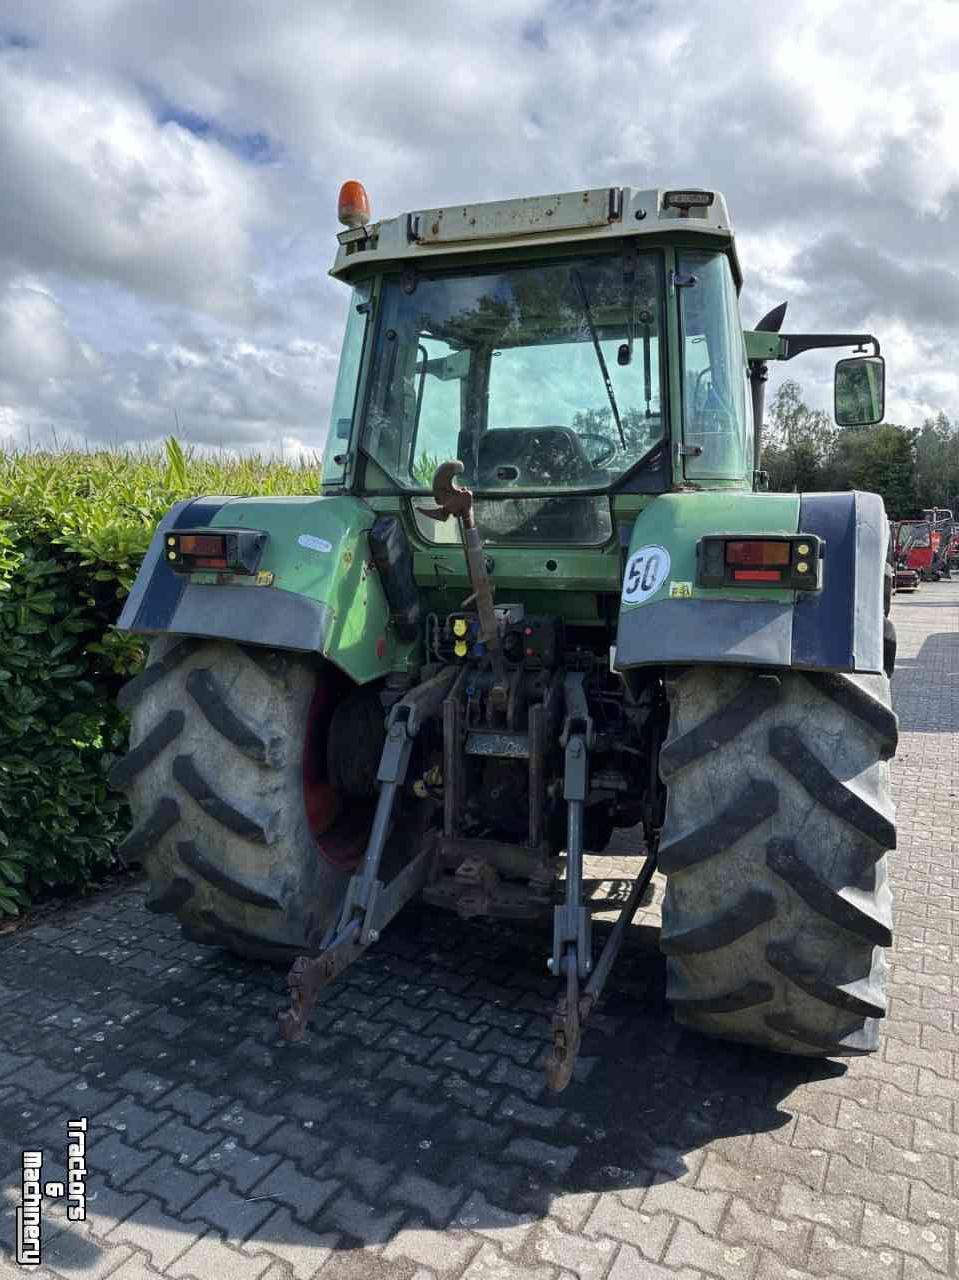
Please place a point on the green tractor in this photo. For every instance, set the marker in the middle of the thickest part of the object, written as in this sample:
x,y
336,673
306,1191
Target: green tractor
x,y
545,594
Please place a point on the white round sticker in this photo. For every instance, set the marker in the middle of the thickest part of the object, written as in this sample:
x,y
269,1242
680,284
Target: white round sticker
x,y
646,571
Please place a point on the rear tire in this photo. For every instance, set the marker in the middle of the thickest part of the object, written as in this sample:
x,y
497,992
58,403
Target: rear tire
x,y
778,818
242,838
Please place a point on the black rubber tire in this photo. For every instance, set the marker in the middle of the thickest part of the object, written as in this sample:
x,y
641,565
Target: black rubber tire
x,y
778,818
889,647
215,781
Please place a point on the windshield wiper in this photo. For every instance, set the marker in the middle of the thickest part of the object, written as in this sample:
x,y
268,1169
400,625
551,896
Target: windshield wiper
x,y
599,354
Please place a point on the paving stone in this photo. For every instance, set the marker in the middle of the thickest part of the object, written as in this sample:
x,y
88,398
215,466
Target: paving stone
x,y
181,1140
305,1196
413,1074
665,1195
368,1175
588,1258
498,1043
450,1028
842,1215
407,1105
807,1167
252,1125
170,1182
366,1222
106,1206
553,1160
828,1256
128,1118
515,1108
689,1247
889,1190
789,1237
196,1104
221,1207
463,1060
648,1232
435,1200
441,1251
210,1259
154,1232
39,1081
302,1250
77,1257
929,1242
118,1160
233,1160
508,1231
629,1265
488,1265
505,1071
135,1268
930,1137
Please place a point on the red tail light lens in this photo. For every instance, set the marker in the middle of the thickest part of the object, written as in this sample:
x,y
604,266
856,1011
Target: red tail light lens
x,y
202,544
227,551
758,553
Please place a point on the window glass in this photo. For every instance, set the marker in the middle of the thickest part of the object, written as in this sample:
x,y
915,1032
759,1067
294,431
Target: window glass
x,y
344,396
717,409
521,374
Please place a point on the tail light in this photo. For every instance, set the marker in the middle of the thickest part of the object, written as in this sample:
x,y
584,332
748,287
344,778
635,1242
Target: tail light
x,y
220,551
737,560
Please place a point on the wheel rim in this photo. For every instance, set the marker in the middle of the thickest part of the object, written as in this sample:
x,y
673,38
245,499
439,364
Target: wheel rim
x,y
340,826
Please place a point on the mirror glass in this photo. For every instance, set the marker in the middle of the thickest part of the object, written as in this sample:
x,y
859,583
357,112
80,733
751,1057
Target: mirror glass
x,y
860,388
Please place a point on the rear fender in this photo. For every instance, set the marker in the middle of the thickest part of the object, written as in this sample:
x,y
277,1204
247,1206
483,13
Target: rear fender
x,y
839,628
316,592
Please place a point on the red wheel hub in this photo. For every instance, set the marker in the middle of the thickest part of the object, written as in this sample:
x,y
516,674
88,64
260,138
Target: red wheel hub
x,y
340,826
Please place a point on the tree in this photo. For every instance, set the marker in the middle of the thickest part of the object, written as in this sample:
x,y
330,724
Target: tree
x,y
879,459
799,441
937,462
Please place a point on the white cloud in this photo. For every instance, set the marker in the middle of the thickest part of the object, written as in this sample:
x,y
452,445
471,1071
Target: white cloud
x,y
183,273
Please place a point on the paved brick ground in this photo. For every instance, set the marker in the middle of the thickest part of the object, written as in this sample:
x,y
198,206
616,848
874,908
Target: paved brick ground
x,y
411,1138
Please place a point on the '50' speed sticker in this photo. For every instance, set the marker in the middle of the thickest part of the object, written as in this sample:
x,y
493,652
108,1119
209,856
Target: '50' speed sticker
x,y
646,571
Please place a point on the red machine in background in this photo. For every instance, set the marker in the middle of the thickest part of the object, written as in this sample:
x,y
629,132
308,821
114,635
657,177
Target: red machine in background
x,y
928,543
909,536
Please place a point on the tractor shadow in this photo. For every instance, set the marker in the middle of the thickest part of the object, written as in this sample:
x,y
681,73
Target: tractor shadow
x,y
417,1098
925,688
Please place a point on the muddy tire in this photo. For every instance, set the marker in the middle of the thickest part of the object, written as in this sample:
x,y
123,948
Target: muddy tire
x,y
778,818
241,835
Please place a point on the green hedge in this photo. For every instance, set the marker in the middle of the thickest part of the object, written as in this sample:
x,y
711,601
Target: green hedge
x,y
73,529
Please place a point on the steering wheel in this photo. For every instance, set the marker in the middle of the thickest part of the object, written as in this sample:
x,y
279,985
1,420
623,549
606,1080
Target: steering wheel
x,y
609,447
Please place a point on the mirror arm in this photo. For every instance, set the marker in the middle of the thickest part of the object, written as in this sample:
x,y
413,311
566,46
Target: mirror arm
x,y
794,344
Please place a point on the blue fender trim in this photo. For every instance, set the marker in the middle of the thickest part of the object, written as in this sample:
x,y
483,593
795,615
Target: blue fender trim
x,y
840,627
153,600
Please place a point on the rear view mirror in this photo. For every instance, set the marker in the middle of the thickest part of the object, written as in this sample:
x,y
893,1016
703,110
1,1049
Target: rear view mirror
x,y
860,391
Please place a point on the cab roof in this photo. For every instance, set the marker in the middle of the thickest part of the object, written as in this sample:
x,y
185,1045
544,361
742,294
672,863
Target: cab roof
x,y
571,217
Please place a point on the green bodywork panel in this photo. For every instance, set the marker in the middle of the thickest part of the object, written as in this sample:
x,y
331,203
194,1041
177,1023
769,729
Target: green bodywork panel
x,y
761,345
360,639
677,521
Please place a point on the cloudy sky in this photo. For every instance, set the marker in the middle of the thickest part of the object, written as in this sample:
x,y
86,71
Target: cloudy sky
x,y
170,171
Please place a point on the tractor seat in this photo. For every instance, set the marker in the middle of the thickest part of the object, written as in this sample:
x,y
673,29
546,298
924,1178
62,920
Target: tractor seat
x,y
536,455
